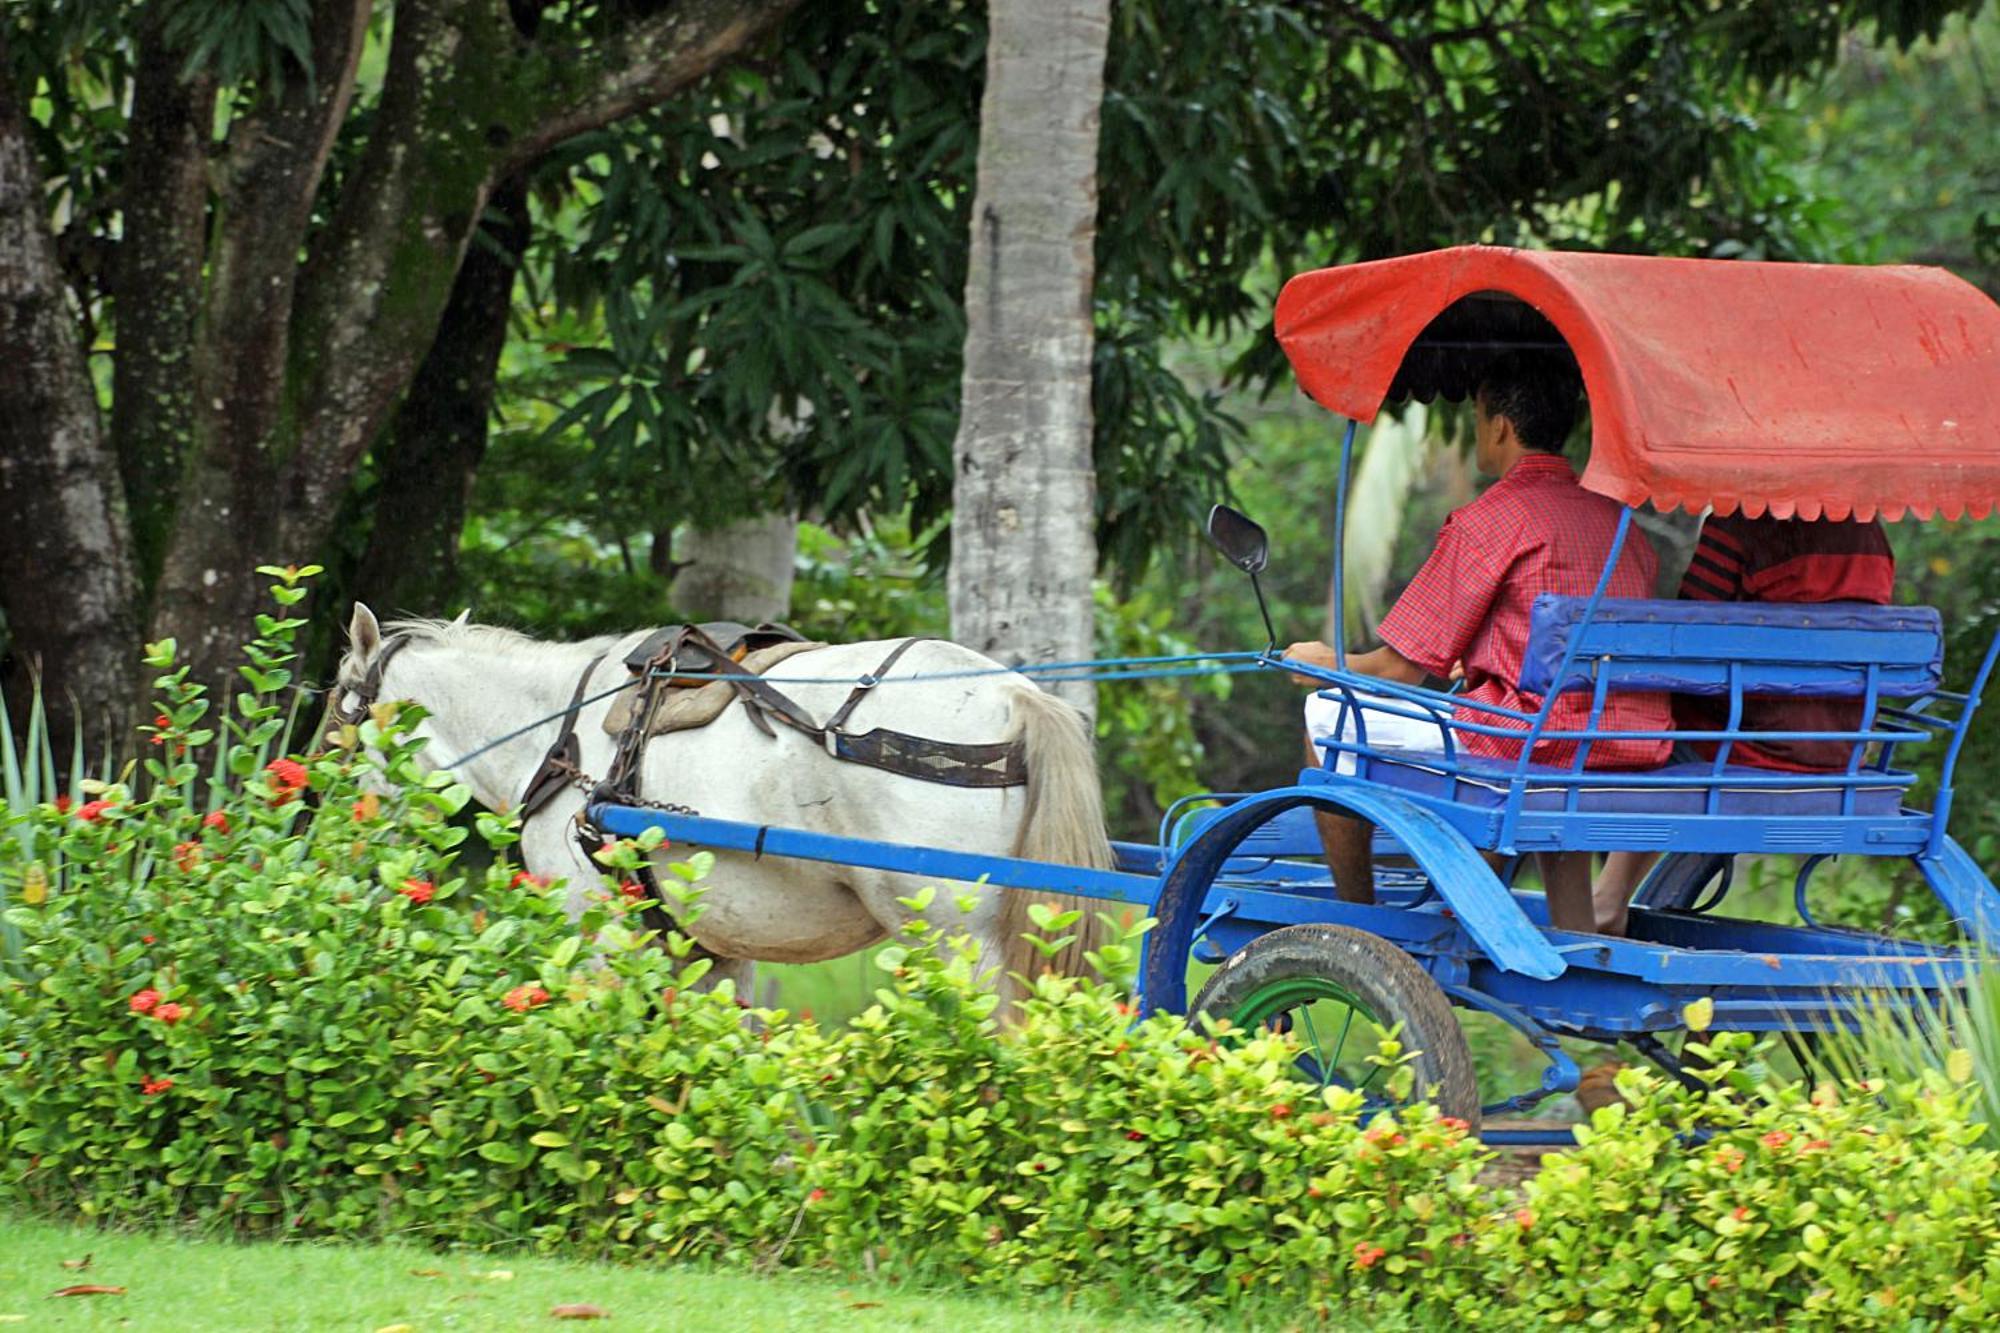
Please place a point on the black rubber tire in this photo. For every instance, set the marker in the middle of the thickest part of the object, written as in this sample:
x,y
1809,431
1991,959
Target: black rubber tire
x,y
1387,983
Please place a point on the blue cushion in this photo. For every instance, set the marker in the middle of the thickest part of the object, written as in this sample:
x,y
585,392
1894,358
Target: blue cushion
x,y
1817,650
1483,783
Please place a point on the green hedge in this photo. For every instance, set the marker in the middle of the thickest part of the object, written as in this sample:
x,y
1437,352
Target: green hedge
x,y
274,1005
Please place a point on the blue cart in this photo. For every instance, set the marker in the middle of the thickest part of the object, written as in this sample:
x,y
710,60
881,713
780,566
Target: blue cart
x,y
1797,389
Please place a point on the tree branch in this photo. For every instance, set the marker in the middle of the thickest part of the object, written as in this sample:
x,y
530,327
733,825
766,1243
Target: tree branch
x,y
468,99
585,86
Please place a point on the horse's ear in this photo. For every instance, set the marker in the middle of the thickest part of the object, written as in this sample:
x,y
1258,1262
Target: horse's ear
x,y
364,635
464,617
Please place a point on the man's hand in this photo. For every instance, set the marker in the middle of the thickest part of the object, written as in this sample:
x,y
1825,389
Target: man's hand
x,y
1313,654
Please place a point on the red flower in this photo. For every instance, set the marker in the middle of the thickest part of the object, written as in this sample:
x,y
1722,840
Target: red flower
x,y
145,1001
169,1013
1280,1111
523,998
633,890
418,891
187,855
288,776
1741,1214
522,877
162,720
1135,1136
815,1196
1366,1255
152,1087
1730,1159
1453,1122
1814,1145
1525,1217
62,804
1777,1138
145,939
91,811
215,819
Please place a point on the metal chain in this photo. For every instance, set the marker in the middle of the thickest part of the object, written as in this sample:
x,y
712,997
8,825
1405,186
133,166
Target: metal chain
x,y
588,785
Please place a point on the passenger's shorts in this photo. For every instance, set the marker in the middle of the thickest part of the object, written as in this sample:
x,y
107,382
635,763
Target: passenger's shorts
x,y
1385,731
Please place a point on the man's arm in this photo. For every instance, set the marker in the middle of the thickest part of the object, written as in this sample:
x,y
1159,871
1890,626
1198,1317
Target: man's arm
x,y
1384,663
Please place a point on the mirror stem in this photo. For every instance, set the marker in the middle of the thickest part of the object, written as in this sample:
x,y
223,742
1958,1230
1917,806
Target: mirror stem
x,y
1270,634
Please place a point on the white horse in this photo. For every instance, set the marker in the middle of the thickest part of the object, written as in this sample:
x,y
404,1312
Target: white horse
x,y
478,682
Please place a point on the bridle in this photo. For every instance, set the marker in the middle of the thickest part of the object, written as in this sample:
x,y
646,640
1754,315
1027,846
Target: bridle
x,y
369,691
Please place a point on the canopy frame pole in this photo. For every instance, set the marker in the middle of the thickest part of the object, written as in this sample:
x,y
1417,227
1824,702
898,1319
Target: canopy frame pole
x,y
1941,806
1339,598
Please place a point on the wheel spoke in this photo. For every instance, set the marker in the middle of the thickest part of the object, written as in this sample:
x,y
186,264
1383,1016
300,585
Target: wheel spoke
x,y
1341,1042
1312,1044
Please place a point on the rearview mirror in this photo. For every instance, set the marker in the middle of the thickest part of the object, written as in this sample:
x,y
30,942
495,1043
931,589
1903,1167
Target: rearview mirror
x,y
1239,538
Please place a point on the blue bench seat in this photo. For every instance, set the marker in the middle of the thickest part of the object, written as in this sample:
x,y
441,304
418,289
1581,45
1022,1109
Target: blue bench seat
x,y
1832,650
1482,783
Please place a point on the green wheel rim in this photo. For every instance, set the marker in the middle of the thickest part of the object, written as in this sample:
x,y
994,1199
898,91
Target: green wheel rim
x,y
1323,1016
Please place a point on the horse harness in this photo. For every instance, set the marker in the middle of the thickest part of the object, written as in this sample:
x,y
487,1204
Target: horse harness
x,y
714,652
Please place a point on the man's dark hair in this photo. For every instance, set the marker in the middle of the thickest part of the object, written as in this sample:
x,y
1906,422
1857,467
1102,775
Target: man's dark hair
x,y
1538,392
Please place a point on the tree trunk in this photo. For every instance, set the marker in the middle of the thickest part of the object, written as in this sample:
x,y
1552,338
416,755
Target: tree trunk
x,y
433,448
1023,544
157,284
741,572
65,543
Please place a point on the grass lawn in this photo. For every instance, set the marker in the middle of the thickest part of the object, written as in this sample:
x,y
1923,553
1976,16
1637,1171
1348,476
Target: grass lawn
x,y
217,1287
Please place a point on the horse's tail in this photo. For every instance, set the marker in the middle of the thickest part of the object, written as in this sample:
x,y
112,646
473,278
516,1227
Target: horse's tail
x,y
1063,822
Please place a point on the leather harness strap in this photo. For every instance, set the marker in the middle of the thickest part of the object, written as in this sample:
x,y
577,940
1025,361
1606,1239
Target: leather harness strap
x,y
869,682
949,763
559,766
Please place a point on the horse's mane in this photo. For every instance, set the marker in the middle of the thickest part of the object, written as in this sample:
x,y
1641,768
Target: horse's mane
x,y
496,640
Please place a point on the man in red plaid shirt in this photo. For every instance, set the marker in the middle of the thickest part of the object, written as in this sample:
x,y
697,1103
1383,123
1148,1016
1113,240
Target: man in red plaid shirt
x,y
1535,530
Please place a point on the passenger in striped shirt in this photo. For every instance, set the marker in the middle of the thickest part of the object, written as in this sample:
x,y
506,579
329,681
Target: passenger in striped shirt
x,y
1766,559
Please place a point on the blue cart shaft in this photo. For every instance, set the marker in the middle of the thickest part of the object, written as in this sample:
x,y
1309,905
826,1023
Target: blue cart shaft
x,y
900,858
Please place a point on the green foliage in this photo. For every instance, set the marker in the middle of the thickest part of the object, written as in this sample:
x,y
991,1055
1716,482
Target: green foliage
x,y
869,585
261,41
1956,1035
1892,140
1864,1205
277,1004
1148,748
767,273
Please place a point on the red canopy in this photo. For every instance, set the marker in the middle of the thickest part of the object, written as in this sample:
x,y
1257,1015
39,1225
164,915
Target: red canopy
x,y
1809,389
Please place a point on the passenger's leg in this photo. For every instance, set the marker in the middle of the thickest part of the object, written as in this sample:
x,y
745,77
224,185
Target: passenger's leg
x,y
1566,881
1611,896
1348,844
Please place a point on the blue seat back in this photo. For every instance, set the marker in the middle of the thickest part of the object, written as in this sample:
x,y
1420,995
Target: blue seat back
x,y
1819,651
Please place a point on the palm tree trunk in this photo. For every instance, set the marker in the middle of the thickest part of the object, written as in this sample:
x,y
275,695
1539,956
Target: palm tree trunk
x,y
1023,543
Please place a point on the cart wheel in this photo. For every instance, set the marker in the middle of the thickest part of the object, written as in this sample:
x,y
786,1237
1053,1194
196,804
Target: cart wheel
x,y
1331,985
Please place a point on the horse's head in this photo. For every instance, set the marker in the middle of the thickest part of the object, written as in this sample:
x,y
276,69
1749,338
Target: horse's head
x,y
361,681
